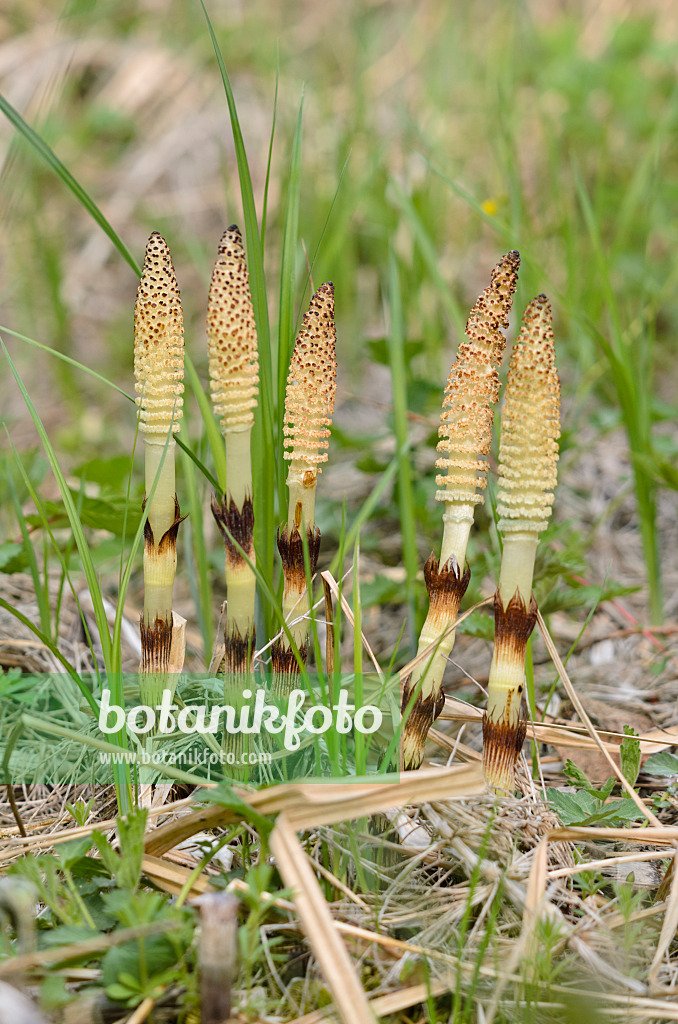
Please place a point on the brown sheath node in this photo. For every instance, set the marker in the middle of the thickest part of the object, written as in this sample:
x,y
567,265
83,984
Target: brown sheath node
x,y
502,744
168,541
423,714
291,548
447,585
156,643
235,525
239,650
283,661
513,625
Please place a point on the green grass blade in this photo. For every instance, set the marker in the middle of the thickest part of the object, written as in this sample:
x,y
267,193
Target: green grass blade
x,y
631,375
52,729
429,255
214,436
54,650
199,559
369,506
62,556
78,533
67,359
40,591
188,365
358,655
286,322
321,237
264,468
50,158
264,212
396,350
111,657
197,462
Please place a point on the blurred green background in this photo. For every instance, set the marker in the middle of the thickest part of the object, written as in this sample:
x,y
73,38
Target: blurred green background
x,y
436,136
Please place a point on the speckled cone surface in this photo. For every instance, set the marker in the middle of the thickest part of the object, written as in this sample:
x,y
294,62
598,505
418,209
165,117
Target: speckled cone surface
x,y
465,437
309,406
232,337
158,342
528,455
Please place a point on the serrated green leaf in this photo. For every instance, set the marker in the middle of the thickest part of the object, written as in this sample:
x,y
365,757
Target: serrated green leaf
x,y
663,763
576,775
629,751
567,806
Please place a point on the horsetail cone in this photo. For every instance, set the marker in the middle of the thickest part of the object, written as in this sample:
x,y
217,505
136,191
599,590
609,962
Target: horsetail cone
x,y
159,372
234,375
309,406
309,403
465,437
528,453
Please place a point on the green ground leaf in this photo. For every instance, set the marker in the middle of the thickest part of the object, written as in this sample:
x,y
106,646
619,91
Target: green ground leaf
x,y
629,750
661,764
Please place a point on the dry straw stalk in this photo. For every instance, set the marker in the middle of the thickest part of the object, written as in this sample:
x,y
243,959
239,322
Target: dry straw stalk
x,y
528,454
465,438
159,372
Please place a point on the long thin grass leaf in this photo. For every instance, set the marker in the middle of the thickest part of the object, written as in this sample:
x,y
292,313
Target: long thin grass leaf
x,y
67,359
41,595
396,350
49,157
61,556
264,468
48,643
188,364
286,330
370,504
67,498
314,257
264,211
214,436
52,729
633,388
429,255
203,587
121,772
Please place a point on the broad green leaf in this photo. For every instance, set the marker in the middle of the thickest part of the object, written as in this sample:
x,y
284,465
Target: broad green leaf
x,y
663,763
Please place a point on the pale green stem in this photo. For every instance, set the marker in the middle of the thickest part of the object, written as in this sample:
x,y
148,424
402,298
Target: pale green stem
x,y
241,582
517,565
507,672
159,570
457,523
431,669
238,465
161,510
301,484
294,606
507,675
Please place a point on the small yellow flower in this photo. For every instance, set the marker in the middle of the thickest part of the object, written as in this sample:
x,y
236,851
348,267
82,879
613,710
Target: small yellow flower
x,y
490,207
